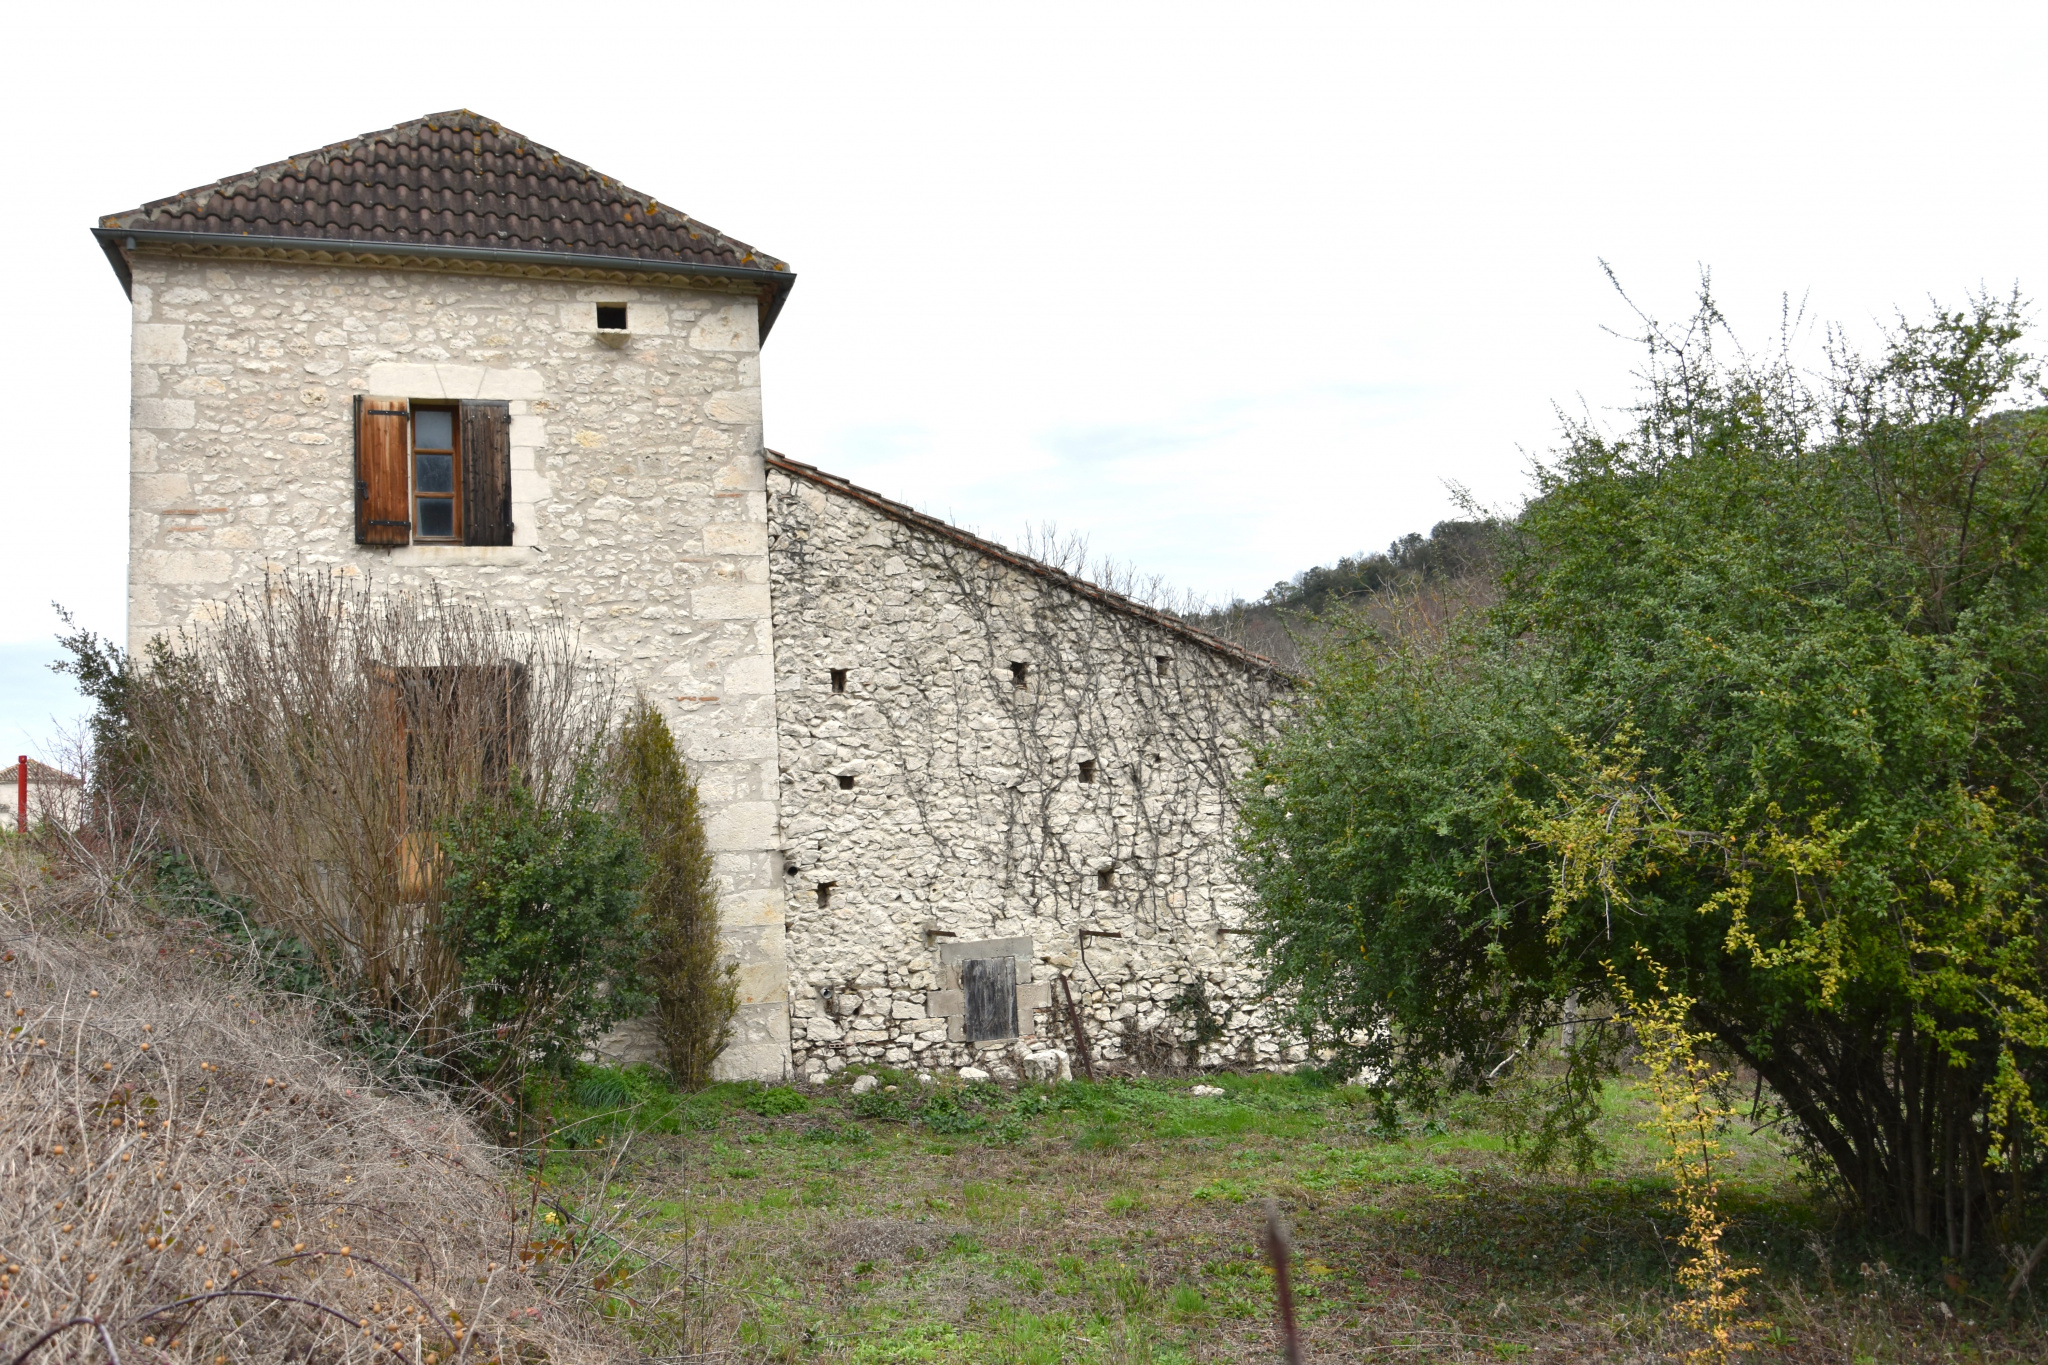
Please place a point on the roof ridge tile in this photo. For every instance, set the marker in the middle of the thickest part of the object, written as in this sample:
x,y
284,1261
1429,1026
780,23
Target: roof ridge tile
x,y
433,164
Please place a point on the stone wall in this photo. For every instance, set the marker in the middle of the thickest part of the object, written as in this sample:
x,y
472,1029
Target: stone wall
x,y
636,482
937,807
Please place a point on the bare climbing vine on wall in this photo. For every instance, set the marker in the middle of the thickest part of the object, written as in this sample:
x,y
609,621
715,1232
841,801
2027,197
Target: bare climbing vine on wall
x,y
1067,739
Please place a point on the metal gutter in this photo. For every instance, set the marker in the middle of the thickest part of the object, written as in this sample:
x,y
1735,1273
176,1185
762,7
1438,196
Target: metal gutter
x,y
113,241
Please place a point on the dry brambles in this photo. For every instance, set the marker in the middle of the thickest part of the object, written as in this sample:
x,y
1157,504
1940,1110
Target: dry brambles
x,y
186,1175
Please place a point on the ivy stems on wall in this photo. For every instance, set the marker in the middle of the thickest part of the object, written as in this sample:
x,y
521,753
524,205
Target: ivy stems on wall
x,y
988,687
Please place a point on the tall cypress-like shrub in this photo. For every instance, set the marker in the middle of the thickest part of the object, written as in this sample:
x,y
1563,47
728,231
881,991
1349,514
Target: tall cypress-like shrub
x,y
696,994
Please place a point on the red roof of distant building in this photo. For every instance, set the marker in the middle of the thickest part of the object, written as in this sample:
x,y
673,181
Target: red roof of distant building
x,y
37,772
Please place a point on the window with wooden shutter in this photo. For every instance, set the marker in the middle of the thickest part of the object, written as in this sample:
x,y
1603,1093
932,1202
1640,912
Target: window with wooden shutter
x,y
487,473
433,473
383,482
989,987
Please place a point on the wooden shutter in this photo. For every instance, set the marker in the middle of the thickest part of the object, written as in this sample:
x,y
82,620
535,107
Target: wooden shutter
x,y
990,987
383,484
487,473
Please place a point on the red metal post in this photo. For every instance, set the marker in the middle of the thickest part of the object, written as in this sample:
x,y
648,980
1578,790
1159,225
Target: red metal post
x,y
21,794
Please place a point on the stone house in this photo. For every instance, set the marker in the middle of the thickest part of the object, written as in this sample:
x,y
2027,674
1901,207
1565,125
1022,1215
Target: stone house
x,y
32,792
939,776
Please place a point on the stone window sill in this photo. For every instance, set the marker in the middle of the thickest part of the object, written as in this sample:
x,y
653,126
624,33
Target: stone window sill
x,y
464,554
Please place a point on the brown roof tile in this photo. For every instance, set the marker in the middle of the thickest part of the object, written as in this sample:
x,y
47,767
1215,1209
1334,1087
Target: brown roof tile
x,y
450,183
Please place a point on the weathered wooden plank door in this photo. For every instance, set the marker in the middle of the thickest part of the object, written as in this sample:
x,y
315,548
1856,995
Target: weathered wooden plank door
x,y
990,986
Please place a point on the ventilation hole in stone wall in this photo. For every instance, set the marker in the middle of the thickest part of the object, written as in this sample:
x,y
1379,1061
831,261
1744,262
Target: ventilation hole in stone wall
x,y
825,894
1105,880
611,317
1020,674
838,680
789,869
846,782
1163,664
1088,770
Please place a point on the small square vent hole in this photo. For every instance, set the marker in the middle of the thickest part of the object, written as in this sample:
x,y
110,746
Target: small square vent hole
x,y
611,317
846,782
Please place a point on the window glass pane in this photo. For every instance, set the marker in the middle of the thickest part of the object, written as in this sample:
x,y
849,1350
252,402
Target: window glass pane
x,y
437,518
433,430
435,474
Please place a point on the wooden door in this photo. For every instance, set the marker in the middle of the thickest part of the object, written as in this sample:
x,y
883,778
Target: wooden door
x,y
990,987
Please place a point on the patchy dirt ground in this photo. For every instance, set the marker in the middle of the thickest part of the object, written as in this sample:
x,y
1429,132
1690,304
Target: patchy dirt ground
x,y
1119,1222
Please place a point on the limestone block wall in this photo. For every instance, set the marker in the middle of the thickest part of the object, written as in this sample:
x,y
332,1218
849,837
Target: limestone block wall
x,y
637,486
940,800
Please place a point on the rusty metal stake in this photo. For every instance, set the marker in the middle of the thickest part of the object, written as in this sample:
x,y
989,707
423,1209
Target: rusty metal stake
x,y
1278,1252
1080,1033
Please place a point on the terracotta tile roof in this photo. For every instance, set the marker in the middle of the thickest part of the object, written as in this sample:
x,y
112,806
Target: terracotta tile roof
x,y
1080,587
455,183
38,771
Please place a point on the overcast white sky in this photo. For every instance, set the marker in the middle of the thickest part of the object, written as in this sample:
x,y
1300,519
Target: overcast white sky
x,y
1232,290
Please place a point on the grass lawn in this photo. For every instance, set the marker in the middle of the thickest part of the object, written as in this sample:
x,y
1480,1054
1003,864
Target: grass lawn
x,y
1120,1222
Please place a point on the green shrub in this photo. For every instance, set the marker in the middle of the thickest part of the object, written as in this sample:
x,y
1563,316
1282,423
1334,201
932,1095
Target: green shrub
x,y
774,1101
541,910
948,1111
695,994
889,1106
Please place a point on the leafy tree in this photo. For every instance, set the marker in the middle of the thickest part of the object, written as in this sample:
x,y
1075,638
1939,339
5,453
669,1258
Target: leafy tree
x,y
696,993
1759,705
1423,569
1450,550
541,908
105,676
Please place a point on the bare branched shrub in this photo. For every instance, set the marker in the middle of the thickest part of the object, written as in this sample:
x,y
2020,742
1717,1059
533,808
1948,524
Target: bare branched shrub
x,y
1067,551
85,873
185,1170
696,993
306,745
